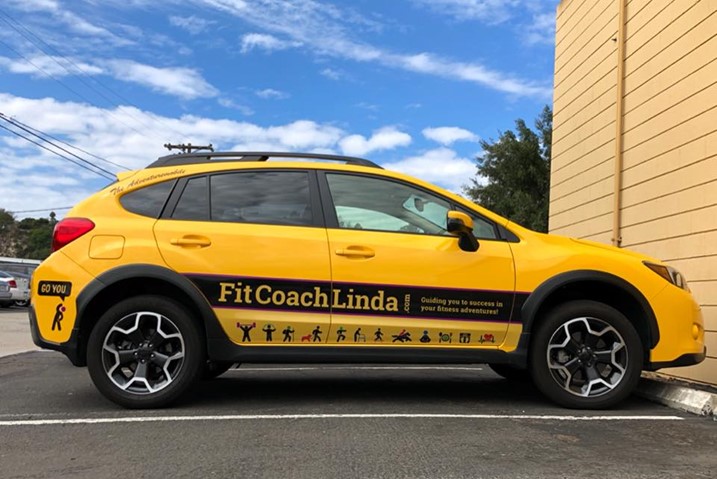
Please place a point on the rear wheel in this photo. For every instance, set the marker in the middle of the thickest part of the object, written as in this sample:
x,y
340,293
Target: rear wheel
x,y
586,355
144,352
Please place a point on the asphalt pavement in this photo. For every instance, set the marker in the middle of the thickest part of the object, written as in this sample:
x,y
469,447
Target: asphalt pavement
x,y
336,421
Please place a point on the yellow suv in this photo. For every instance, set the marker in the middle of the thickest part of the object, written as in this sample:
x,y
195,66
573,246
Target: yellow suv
x,y
203,260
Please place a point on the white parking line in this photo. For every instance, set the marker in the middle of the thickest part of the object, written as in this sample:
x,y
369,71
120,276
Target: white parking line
x,y
254,417
352,368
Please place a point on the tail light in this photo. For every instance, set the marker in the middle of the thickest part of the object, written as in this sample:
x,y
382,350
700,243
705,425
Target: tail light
x,y
12,283
68,230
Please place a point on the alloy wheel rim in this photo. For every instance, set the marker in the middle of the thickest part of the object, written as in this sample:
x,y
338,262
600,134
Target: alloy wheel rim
x,y
587,357
143,353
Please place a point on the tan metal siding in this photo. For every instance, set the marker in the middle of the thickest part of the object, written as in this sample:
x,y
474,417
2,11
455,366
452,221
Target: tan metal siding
x,y
669,137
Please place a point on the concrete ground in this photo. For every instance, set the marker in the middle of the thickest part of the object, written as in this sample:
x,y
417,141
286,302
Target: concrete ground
x,y
15,331
308,421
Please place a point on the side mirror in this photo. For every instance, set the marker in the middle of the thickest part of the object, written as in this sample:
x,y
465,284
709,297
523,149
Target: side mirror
x,y
461,225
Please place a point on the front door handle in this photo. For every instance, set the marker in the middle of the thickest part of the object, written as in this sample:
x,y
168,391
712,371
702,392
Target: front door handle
x,y
191,241
356,252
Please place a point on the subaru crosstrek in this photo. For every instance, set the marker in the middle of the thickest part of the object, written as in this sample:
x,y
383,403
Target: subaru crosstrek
x,y
204,260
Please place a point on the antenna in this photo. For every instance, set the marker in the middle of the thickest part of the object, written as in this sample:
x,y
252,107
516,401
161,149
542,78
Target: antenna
x,y
188,148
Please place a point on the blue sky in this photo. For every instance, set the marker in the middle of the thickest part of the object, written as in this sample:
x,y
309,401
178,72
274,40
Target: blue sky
x,y
410,84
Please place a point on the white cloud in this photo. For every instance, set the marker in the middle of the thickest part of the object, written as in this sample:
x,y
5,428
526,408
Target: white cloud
x,y
447,135
32,177
270,93
36,178
332,74
541,30
325,30
441,166
262,41
192,24
229,103
185,83
430,64
50,65
488,11
62,14
386,138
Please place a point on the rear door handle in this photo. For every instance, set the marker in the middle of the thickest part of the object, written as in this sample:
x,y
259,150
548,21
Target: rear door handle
x,y
356,252
191,241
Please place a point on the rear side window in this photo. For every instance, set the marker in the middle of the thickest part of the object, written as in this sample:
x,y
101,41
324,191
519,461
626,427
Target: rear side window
x,y
148,201
267,197
193,205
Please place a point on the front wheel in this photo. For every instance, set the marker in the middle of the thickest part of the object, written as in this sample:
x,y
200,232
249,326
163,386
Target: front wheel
x,y
586,355
144,352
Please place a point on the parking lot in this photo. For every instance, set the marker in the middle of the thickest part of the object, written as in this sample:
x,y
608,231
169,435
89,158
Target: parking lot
x,y
334,421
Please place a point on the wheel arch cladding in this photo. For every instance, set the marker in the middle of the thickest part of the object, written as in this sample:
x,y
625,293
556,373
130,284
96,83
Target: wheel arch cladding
x,y
133,280
596,286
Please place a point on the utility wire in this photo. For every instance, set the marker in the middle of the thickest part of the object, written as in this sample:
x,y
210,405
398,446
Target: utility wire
x,y
45,209
40,132
108,177
82,72
49,75
3,117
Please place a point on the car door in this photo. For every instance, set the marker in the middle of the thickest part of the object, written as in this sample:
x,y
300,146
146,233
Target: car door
x,y
400,279
254,243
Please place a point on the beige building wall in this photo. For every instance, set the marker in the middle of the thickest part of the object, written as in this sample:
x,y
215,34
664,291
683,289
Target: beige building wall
x,y
637,90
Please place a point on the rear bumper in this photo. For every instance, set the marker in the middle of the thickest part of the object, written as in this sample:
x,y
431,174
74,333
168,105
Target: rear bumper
x,y
689,359
69,348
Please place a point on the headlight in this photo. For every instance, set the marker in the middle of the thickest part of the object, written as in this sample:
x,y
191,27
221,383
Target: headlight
x,y
670,274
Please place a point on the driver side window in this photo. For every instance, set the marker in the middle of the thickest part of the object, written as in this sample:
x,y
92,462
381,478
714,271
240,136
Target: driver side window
x,y
378,204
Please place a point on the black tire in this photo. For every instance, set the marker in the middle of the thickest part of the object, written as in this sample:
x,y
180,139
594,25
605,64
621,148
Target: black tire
x,y
22,303
155,352
596,366
214,369
511,373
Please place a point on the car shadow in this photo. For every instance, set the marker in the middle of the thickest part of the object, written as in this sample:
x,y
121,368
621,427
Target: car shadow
x,y
368,390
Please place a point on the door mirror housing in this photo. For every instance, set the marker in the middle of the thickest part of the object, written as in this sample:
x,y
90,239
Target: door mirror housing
x,y
461,225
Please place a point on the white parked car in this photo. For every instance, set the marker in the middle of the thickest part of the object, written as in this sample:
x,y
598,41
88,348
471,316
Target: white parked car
x,y
18,287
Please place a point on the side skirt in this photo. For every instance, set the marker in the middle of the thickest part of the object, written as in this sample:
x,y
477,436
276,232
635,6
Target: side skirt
x,y
220,351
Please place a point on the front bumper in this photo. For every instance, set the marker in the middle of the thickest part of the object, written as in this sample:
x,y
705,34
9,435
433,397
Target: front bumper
x,y
689,359
69,348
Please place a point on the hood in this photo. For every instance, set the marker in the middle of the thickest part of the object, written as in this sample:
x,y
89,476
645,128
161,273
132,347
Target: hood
x,y
616,250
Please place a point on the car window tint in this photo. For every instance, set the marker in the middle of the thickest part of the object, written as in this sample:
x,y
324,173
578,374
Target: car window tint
x,y
267,197
148,201
482,228
363,202
193,204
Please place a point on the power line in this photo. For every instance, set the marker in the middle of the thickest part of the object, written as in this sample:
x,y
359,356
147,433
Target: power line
x,y
82,72
15,120
8,120
79,95
41,210
111,177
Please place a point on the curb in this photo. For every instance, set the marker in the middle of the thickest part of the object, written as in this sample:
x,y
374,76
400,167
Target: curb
x,y
678,394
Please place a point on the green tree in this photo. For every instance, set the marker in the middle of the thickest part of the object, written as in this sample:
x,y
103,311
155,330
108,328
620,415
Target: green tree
x,y
513,173
36,237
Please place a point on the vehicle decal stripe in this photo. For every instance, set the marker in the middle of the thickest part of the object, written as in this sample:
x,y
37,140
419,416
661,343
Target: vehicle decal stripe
x,y
242,292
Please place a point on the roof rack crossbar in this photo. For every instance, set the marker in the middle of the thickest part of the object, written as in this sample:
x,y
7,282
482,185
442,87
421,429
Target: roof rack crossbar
x,y
206,157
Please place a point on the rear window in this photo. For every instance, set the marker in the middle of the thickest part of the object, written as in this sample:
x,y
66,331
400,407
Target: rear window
x,y
268,197
148,201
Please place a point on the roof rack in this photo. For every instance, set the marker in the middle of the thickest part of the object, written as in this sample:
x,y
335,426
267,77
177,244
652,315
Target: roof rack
x,y
206,157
